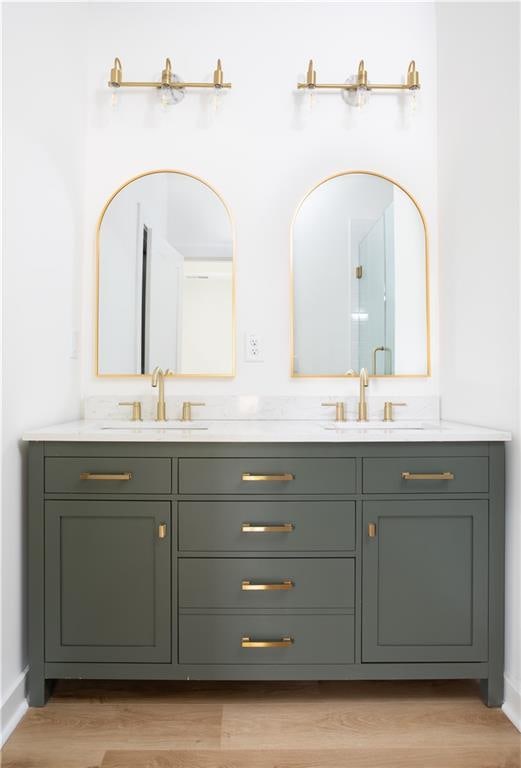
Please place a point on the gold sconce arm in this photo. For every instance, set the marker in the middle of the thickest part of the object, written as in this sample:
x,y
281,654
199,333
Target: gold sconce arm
x,y
168,79
360,81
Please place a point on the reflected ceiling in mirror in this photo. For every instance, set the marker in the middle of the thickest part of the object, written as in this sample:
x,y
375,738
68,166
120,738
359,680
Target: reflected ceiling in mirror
x,y
166,279
359,271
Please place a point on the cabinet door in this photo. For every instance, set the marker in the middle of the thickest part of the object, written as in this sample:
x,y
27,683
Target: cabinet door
x,y
107,581
425,575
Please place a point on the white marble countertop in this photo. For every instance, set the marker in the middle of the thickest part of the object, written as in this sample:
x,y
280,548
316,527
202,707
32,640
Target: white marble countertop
x,y
265,431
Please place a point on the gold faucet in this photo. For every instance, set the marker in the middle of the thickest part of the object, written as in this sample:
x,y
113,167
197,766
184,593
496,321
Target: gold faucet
x,y
187,411
340,411
158,380
362,405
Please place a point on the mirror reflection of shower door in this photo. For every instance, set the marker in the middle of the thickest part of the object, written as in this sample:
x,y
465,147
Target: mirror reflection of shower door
x,y
159,309
376,297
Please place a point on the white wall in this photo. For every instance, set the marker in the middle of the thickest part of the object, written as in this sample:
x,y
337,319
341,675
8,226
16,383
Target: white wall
x,y
478,151
43,167
263,149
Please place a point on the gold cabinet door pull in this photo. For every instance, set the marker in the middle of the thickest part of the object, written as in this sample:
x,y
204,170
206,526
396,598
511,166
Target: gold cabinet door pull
x,y
275,528
371,530
285,477
161,531
284,642
96,476
247,586
427,476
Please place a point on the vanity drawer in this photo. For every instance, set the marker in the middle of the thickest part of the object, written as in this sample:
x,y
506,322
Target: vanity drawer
x,y
107,475
220,639
267,583
264,475
292,526
443,474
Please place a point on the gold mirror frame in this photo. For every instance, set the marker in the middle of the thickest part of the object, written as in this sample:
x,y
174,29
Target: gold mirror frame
x,y
97,301
292,288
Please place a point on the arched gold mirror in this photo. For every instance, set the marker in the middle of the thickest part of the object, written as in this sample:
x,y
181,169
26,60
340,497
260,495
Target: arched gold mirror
x,y
166,279
359,274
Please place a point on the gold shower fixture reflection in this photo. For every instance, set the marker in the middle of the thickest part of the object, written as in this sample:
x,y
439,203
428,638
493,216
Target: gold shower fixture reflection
x,y
171,87
359,86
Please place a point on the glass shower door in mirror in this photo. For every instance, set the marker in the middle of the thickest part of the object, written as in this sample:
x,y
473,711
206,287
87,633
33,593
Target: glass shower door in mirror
x,y
165,279
359,280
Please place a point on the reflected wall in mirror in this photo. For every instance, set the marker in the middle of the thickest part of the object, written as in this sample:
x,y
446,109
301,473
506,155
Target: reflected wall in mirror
x,y
359,266
165,251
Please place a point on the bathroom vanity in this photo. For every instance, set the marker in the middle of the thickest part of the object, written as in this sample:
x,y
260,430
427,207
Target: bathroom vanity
x,y
275,551
283,549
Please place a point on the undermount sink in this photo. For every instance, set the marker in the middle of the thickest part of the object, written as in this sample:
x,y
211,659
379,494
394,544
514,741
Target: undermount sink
x,y
363,425
155,425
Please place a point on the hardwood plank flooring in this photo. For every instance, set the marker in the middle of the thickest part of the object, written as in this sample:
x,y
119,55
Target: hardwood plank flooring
x,y
122,724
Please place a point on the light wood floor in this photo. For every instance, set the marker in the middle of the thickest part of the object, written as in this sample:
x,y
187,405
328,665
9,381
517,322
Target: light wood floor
x,y
257,725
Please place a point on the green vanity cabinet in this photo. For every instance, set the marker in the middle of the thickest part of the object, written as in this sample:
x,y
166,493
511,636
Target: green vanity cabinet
x,y
107,581
425,580
282,561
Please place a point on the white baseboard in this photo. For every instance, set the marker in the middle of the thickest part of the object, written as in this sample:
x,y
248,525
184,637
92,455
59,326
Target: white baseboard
x,y
512,705
13,707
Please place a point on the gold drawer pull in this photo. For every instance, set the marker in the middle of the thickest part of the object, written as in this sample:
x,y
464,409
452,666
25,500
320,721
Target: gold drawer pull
x,y
247,586
161,531
283,478
427,476
277,528
94,476
284,642
371,530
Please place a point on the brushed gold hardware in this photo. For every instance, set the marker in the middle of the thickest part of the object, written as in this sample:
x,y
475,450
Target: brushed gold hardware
x,y
388,410
116,74
158,380
270,528
168,79
218,77
360,80
371,530
293,363
340,411
247,586
375,352
136,410
97,371
413,76
187,410
359,272
284,642
427,476
362,405
161,531
108,476
285,477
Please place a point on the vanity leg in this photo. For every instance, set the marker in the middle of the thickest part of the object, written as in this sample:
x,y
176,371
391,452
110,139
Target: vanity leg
x,y
40,690
492,690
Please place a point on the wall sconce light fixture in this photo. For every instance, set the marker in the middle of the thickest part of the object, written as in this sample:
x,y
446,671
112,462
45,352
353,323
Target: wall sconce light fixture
x,y
170,87
357,87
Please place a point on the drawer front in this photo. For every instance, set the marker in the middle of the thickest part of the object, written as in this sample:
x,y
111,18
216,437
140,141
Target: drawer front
x,y
107,475
327,639
264,475
292,526
450,474
266,583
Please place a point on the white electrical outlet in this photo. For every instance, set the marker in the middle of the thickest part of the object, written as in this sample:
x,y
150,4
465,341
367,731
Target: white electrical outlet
x,y
253,352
